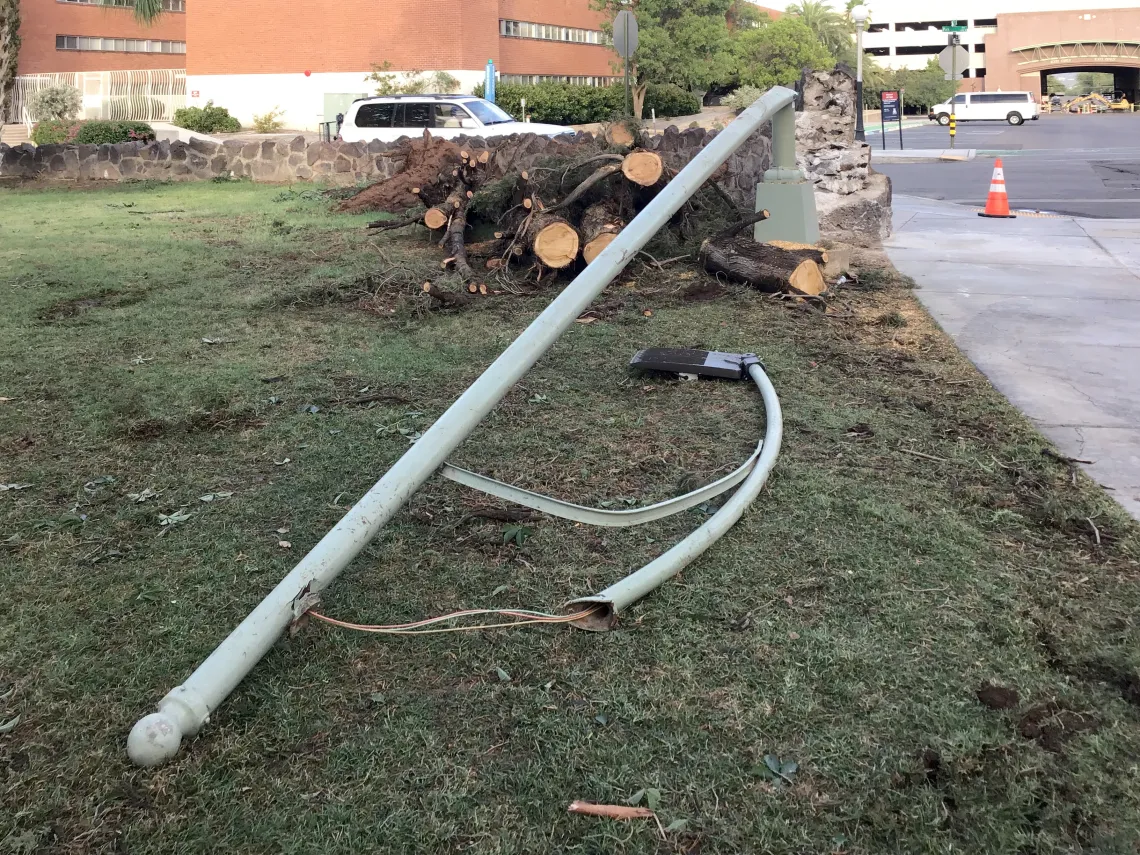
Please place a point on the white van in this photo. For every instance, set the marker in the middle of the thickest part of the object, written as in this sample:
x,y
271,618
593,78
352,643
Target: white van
x,y
1012,107
390,117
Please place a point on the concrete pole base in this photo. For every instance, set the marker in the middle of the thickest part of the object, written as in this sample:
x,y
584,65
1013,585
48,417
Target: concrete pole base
x,y
790,198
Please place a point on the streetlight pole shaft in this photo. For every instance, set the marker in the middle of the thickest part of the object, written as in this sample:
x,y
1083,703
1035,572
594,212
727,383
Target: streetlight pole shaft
x,y
860,132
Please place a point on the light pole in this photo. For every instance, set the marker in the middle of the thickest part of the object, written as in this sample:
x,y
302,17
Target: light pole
x,y
859,16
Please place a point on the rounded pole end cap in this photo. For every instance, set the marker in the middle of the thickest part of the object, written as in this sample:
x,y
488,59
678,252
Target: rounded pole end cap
x,y
154,739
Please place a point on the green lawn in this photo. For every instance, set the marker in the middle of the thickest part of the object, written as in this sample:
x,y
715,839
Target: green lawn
x,y
914,543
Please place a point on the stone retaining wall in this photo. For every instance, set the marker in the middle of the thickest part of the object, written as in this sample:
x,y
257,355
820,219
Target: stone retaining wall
x,y
339,163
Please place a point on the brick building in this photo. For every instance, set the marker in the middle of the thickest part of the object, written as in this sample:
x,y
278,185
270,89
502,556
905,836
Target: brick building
x,y
83,35
255,55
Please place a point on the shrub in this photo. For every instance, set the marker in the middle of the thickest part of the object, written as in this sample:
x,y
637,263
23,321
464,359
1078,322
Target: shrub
x,y
56,103
55,131
207,120
269,122
560,103
98,132
669,100
568,104
742,98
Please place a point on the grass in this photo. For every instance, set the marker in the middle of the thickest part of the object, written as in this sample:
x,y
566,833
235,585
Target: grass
x,y
914,543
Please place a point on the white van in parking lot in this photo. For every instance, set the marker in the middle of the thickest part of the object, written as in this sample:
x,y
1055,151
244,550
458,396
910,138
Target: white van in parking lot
x,y
1012,107
390,117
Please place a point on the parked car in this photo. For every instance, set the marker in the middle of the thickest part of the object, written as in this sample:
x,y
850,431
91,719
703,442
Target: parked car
x,y
387,118
1012,107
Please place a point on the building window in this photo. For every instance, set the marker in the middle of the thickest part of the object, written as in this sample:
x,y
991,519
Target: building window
x,y
167,5
985,22
531,79
551,33
118,45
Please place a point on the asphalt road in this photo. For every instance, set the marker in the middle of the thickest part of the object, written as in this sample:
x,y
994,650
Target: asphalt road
x,y
1082,165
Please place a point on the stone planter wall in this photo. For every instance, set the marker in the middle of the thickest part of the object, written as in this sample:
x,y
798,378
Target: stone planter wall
x,y
338,163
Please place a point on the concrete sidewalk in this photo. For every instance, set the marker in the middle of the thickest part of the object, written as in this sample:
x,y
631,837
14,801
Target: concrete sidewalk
x,y
918,155
1049,310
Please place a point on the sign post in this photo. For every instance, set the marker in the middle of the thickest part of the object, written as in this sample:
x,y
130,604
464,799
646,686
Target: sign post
x,y
891,102
953,57
625,42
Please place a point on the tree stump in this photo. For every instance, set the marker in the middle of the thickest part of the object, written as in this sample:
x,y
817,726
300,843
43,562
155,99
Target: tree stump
x,y
553,240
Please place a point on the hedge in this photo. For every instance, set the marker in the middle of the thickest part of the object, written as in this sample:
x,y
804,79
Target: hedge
x,y
55,131
92,132
99,132
566,104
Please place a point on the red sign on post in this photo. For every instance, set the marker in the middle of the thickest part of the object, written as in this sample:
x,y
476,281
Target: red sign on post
x,y
194,93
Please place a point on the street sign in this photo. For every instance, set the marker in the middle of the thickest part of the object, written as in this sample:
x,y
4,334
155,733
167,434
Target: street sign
x,y
890,107
625,34
954,59
955,27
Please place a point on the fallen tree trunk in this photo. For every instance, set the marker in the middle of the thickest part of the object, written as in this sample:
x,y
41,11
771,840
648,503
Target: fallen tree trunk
x,y
552,240
765,266
601,223
453,242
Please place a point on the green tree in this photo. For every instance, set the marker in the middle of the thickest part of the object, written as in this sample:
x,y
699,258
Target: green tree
x,y
745,15
686,42
834,31
925,87
1094,81
776,55
9,51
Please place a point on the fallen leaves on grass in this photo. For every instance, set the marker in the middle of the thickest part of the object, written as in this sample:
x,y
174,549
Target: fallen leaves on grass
x,y
284,544
214,497
145,495
169,521
776,770
9,726
6,487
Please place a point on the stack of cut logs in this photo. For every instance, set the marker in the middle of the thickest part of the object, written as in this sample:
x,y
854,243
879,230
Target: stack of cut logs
x,y
538,221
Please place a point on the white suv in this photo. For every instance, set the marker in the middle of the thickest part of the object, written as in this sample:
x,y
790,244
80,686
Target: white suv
x,y
390,117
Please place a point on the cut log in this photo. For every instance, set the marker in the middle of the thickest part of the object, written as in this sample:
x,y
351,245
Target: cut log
x,y
835,262
619,133
764,266
447,299
435,219
643,167
601,223
552,240
484,157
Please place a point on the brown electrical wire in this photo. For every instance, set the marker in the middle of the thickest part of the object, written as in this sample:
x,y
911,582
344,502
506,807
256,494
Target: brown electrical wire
x,y
520,617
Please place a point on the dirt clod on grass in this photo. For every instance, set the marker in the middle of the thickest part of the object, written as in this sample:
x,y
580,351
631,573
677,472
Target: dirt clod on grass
x,y
1052,725
997,697
64,309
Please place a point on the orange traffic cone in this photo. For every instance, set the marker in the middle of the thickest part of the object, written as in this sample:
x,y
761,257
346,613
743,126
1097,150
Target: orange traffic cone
x,y
997,204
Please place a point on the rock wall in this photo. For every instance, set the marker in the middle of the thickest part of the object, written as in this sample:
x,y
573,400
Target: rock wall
x,y
339,163
826,150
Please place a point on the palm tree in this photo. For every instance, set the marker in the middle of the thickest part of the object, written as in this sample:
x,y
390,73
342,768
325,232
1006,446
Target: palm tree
x,y
146,11
833,30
